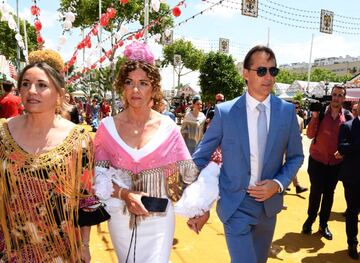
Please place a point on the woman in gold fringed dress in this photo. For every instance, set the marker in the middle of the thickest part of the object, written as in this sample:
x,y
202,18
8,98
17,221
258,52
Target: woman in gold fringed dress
x,y
46,165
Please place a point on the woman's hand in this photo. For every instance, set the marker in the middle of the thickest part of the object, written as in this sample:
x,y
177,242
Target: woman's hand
x,y
85,254
133,202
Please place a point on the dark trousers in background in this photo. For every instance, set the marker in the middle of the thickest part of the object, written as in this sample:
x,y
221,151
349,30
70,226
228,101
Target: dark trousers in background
x,y
323,179
352,196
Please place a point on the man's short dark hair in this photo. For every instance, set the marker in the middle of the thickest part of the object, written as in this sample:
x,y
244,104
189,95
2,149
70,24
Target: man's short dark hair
x,y
7,86
339,87
259,48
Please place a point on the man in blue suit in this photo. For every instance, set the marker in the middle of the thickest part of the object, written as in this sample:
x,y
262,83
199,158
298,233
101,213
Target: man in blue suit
x,y
349,148
261,146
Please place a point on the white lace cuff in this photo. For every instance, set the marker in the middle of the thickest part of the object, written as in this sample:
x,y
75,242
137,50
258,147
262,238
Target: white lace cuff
x,y
201,194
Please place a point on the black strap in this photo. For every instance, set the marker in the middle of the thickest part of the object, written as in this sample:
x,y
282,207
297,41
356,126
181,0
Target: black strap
x,y
134,233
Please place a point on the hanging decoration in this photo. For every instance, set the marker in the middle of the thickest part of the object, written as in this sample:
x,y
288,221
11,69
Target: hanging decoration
x,y
224,45
249,8
7,16
299,18
118,43
35,11
69,18
326,21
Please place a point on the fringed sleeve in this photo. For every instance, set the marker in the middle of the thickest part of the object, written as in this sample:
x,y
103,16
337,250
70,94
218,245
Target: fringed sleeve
x,y
106,175
91,209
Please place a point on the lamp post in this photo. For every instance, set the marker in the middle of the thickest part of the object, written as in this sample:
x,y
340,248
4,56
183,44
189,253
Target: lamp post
x,y
326,82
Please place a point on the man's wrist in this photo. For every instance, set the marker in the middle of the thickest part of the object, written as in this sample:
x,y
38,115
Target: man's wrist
x,y
281,188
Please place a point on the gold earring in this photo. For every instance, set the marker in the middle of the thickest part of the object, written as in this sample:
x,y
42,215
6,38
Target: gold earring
x,y
58,106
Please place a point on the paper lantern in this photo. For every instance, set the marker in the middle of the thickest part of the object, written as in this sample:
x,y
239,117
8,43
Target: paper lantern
x,y
176,11
155,5
62,40
70,16
18,37
67,25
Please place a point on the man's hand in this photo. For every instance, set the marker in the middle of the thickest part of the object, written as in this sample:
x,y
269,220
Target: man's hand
x,y
197,223
133,202
263,190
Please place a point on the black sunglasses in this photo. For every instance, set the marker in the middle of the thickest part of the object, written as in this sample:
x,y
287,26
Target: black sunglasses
x,y
261,71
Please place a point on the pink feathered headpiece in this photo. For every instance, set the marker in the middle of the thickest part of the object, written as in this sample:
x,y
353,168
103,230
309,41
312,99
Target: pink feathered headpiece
x,y
139,52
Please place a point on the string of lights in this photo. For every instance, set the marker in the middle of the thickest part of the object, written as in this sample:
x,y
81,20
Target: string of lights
x,y
282,14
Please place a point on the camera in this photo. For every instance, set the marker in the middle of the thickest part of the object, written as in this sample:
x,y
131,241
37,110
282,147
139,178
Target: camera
x,y
319,104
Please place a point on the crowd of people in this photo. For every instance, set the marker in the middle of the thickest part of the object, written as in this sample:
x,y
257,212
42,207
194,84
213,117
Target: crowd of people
x,y
142,168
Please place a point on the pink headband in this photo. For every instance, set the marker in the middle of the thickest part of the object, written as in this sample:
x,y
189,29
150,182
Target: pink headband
x,y
139,52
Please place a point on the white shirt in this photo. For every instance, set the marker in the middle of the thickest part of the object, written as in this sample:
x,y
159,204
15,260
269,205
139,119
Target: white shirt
x,y
252,117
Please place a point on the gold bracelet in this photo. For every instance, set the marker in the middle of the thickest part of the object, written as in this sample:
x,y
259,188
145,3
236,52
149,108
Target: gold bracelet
x,y
119,193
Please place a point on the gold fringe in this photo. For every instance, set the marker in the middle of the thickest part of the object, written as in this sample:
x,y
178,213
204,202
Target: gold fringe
x,y
169,181
33,187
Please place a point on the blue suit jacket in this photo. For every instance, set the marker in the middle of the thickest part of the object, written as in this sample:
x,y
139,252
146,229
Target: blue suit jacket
x,y
349,147
229,130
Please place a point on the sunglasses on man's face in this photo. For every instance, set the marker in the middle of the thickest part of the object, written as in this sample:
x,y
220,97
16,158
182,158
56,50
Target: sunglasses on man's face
x,y
261,71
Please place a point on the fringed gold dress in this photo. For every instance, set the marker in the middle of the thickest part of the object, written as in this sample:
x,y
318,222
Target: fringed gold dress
x,y
44,199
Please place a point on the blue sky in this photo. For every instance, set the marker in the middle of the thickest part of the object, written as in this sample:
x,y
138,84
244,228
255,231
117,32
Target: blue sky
x,y
291,44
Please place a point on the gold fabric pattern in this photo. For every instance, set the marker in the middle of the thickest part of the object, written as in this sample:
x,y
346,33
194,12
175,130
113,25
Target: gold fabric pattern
x,y
39,198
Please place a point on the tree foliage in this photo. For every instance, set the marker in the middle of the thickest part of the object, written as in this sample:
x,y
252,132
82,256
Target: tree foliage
x,y
218,74
317,74
191,57
8,45
87,13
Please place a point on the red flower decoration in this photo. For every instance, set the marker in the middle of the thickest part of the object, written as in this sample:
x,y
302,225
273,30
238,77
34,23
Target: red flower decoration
x,y
124,1
39,40
94,31
104,20
35,11
176,11
121,43
111,12
37,25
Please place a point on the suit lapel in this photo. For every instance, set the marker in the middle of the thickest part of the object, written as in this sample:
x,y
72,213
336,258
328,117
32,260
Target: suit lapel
x,y
273,127
241,122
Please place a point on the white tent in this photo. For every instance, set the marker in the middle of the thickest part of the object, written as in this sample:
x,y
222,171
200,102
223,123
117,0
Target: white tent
x,y
78,93
353,94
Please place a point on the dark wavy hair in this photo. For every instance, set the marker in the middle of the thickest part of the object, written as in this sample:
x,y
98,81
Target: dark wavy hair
x,y
152,73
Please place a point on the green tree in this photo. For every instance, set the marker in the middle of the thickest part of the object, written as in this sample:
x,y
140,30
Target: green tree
x,y
286,76
218,73
8,36
191,58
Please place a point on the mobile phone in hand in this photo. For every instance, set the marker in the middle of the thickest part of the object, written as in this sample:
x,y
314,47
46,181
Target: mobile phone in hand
x,y
154,204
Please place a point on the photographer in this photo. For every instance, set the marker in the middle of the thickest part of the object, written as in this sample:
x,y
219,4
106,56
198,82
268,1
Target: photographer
x,y
324,160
